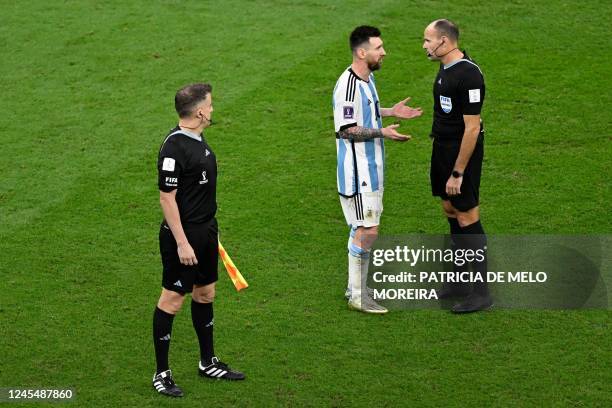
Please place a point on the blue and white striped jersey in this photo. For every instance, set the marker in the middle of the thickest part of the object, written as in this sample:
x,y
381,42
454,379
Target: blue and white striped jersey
x,y
360,164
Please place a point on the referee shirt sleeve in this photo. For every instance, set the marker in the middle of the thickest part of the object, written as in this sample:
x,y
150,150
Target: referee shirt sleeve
x,y
170,166
472,92
346,105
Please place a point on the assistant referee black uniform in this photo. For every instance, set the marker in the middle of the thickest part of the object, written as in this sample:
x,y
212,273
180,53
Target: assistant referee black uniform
x,y
458,90
187,164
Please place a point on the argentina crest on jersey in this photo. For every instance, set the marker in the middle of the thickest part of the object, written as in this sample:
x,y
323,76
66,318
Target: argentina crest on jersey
x,y
446,104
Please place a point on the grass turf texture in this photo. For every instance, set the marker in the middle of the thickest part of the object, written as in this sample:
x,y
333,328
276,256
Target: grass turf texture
x,y
87,96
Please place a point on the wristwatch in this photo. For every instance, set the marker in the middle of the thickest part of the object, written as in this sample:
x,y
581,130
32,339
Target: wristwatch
x,y
457,174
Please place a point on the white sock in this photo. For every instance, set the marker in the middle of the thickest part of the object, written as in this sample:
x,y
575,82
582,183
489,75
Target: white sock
x,y
348,246
365,264
358,262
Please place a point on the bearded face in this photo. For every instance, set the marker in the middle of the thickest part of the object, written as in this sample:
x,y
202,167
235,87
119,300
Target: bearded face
x,y
375,53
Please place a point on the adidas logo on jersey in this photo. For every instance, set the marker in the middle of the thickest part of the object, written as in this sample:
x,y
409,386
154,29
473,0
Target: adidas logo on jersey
x,y
178,283
207,153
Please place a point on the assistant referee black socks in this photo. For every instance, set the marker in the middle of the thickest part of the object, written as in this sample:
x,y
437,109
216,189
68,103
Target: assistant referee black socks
x,y
202,318
203,321
162,330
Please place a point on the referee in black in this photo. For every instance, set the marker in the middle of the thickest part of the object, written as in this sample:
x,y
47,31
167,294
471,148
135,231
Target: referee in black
x,y
457,154
188,236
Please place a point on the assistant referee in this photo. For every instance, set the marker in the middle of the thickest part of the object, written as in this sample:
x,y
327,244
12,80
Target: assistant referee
x,y
188,236
457,153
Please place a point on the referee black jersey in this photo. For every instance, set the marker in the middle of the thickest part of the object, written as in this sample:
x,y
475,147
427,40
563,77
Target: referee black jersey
x,y
458,90
187,164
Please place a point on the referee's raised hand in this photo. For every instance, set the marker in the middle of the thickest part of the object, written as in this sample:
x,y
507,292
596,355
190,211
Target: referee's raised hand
x,y
390,133
186,254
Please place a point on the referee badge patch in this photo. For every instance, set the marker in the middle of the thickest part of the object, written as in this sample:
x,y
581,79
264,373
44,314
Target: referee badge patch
x,y
474,95
446,104
348,112
168,164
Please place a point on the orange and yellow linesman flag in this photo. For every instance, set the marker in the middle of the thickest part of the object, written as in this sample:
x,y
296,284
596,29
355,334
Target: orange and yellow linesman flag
x,y
232,271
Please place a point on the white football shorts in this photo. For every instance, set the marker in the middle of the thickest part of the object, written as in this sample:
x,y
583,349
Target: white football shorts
x,y
363,209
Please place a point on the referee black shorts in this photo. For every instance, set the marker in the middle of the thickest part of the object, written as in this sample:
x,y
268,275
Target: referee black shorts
x,y
443,157
203,238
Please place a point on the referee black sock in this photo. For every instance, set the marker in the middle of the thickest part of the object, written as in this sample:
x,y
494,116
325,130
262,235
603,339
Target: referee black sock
x,y
455,232
455,228
203,320
162,330
474,237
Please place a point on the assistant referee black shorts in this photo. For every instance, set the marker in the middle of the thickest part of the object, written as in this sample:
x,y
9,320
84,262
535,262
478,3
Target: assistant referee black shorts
x,y
203,238
443,157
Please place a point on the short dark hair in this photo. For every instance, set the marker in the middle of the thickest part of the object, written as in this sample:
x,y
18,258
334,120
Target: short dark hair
x,y
447,28
362,34
188,97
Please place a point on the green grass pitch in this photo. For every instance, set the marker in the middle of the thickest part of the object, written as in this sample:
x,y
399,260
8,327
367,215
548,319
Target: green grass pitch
x,y
87,96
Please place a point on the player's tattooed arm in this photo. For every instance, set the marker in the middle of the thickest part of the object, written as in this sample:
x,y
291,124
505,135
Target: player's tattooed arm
x,y
360,134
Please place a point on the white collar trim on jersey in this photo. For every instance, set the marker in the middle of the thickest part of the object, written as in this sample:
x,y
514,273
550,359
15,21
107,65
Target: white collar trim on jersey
x,y
455,62
460,60
188,134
